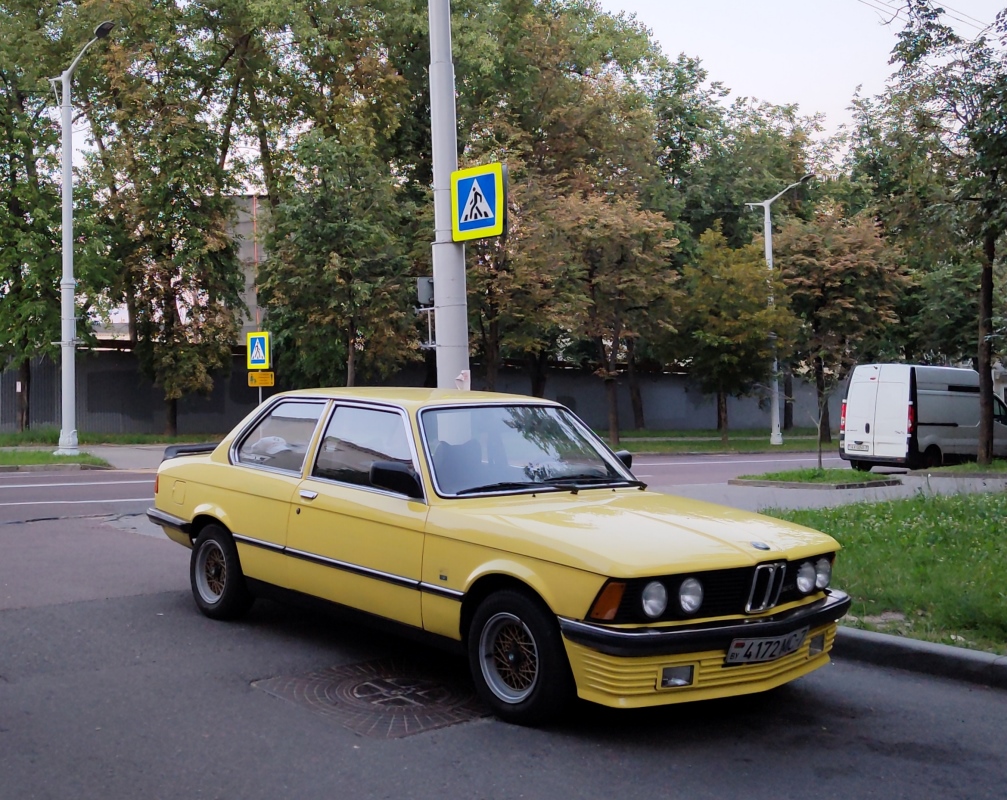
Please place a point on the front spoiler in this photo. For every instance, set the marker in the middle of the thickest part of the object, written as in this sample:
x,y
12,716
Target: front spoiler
x,y
701,638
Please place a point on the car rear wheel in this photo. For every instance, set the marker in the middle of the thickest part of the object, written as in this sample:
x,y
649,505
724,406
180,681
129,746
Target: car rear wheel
x,y
517,659
861,466
218,584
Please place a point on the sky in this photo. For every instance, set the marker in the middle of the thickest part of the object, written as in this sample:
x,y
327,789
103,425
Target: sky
x,y
811,52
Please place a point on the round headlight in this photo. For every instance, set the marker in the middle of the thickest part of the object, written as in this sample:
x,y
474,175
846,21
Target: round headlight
x,y
823,573
806,577
690,595
654,599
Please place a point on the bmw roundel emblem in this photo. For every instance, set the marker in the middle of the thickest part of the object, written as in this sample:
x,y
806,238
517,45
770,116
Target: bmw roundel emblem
x,y
760,545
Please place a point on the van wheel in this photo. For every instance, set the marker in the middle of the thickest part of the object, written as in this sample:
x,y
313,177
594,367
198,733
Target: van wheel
x,y
860,466
932,457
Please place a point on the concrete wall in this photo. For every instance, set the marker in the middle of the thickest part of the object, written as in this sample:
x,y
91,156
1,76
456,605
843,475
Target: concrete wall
x,y
113,398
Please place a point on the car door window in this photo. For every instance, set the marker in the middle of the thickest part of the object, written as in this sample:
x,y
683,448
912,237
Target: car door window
x,y
357,437
281,438
999,411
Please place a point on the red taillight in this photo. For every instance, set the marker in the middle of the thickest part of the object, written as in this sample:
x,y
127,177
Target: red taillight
x,y
911,420
158,478
842,419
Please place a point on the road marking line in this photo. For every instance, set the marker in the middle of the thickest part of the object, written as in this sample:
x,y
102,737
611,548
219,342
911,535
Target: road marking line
x,y
733,461
76,502
83,483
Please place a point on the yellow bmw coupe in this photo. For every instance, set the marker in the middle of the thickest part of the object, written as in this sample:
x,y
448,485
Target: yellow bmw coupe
x,y
503,524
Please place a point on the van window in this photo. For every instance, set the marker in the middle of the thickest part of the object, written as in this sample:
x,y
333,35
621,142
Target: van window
x,y
999,411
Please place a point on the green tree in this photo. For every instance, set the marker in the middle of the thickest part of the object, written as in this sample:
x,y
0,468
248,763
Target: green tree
x,y
843,281
960,90
335,284
731,310
161,162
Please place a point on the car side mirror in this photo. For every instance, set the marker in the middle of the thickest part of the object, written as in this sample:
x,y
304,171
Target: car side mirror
x,y
626,458
396,477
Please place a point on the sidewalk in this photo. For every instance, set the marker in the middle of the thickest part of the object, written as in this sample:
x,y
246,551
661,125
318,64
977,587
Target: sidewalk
x,y
131,456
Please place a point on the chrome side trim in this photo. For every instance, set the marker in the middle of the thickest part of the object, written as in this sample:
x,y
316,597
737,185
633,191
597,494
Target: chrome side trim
x,y
441,591
355,569
635,642
251,540
159,517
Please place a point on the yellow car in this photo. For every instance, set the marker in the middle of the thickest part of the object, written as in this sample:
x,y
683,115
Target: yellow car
x,y
503,524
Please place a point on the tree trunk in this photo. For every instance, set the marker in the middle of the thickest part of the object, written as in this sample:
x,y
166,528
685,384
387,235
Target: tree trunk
x,y
788,398
635,395
985,454
351,361
722,416
171,418
536,363
824,426
491,352
24,396
612,392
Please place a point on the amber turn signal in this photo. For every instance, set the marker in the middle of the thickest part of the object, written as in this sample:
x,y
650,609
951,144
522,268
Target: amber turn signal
x,y
607,603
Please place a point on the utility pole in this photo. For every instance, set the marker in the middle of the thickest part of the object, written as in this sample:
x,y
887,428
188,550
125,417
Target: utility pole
x,y
450,303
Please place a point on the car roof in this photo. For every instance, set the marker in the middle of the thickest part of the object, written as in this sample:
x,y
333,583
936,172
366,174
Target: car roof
x,y
415,398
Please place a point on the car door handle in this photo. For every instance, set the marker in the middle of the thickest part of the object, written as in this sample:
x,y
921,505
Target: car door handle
x,y
308,495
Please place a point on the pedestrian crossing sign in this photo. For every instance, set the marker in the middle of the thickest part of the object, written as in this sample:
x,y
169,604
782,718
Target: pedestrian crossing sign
x,y
478,202
257,347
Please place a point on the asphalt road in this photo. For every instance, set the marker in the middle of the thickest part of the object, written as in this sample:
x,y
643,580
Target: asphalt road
x,y
120,688
664,472
113,685
28,496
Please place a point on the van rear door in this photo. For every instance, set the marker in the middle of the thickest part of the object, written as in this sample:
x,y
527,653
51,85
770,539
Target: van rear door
x,y
858,441
891,417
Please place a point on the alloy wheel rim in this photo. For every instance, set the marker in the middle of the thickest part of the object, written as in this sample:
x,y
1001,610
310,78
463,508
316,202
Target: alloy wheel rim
x,y
211,572
508,657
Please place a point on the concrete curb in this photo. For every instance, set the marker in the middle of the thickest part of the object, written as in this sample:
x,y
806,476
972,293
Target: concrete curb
x,y
49,467
806,485
899,652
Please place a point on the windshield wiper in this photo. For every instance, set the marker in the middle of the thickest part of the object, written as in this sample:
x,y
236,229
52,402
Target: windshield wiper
x,y
504,485
597,480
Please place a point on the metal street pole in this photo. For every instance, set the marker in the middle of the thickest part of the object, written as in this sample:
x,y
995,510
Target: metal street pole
x,y
450,305
775,435
68,429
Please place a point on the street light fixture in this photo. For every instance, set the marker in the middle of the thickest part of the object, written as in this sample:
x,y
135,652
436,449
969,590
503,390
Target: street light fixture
x,y
68,429
775,436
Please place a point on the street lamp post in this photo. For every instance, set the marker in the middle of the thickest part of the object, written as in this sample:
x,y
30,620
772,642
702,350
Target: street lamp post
x,y
775,436
68,430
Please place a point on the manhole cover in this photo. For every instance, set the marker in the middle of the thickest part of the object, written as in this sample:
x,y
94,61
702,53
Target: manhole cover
x,y
385,699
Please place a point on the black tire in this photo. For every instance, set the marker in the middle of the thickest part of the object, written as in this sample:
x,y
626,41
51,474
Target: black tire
x,y
218,584
860,466
932,457
517,659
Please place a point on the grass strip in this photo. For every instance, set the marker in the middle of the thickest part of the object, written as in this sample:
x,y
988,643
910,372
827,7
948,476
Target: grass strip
x,y
50,436
9,458
815,475
931,566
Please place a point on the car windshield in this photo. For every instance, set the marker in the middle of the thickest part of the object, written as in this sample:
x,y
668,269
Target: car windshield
x,y
499,449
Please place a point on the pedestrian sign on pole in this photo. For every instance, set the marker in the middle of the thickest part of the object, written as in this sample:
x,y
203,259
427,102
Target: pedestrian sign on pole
x,y
478,202
257,345
260,379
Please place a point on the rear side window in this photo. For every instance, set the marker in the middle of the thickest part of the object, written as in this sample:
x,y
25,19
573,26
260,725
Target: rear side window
x,y
280,439
357,437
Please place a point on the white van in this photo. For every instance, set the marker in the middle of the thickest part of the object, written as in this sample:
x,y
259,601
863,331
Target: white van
x,y
914,416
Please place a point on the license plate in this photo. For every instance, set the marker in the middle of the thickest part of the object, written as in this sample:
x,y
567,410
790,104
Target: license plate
x,y
858,447
754,651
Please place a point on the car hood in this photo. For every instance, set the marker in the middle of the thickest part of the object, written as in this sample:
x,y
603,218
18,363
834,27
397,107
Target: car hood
x,y
625,533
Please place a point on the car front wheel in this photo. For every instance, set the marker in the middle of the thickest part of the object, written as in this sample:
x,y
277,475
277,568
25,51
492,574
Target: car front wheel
x,y
517,659
218,584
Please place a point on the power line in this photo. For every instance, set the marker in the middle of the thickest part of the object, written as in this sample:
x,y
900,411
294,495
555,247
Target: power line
x,y
951,13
